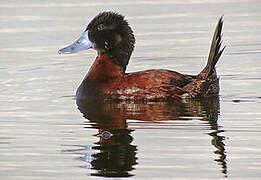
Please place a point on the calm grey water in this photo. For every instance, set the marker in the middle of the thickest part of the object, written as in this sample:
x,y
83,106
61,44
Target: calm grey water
x,y
45,135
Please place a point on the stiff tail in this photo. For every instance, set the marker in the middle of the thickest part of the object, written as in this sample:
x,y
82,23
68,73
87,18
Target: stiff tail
x,y
214,53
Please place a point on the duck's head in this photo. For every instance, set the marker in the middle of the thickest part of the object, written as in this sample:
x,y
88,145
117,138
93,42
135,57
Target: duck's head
x,y
107,33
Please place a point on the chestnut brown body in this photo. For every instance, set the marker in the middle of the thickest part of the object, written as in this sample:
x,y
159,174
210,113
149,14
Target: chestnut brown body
x,y
107,80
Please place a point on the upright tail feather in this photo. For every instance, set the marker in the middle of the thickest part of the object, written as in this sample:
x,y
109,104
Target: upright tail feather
x,y
206,82
214,53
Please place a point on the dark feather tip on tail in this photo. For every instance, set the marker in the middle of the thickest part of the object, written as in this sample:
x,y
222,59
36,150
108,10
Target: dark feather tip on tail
x,y
214,52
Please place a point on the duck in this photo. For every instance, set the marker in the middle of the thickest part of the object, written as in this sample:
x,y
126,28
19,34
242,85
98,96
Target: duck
x,y
110,34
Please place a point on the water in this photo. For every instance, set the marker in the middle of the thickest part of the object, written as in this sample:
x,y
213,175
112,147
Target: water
x,y
43,135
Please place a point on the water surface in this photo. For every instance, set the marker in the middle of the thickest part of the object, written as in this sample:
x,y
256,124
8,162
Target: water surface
x,y
45,134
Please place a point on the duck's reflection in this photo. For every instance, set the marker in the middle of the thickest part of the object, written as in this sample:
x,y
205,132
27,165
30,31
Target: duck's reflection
x,y
116,156
212,107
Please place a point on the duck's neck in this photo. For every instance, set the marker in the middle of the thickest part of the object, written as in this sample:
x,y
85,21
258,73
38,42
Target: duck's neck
x,y
103,69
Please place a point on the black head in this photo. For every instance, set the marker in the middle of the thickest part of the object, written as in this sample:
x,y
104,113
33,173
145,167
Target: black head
x,y
110,33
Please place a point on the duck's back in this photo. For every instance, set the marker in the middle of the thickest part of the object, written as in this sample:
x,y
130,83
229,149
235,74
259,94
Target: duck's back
x,y
146,85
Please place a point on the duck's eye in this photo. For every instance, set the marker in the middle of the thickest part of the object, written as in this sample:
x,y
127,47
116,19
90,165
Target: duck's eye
x,y
100,27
